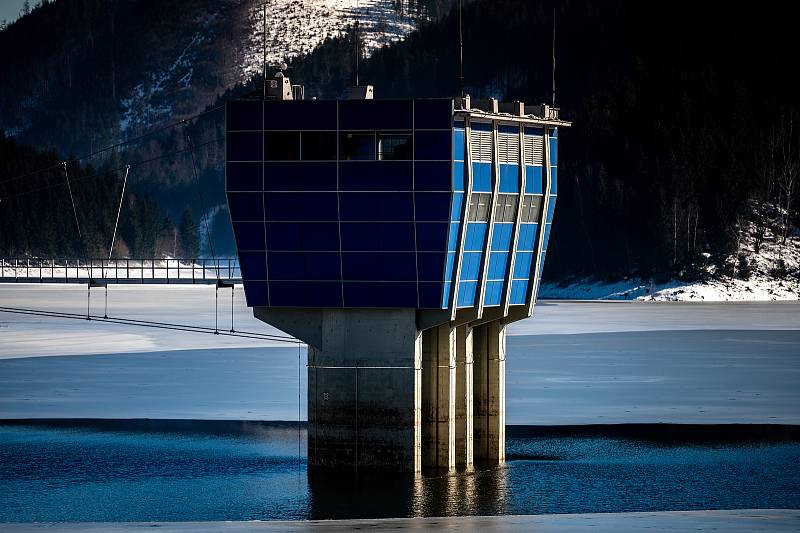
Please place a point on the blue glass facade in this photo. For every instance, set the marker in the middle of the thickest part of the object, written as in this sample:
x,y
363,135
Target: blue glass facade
x,y
381,203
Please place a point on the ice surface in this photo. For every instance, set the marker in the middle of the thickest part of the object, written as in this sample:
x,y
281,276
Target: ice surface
x,y
573,363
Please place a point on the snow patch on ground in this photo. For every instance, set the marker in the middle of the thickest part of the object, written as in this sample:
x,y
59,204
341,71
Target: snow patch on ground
x,y
767,281
296,27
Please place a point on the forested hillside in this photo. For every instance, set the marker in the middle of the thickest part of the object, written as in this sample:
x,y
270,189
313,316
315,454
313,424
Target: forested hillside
x,y
683,121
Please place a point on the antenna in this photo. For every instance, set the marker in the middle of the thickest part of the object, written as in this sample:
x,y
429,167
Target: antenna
x,y
554,57
460,50
358,41
264,66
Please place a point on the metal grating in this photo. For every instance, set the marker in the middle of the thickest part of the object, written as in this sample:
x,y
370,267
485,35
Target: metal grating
x,y
481,148
508,148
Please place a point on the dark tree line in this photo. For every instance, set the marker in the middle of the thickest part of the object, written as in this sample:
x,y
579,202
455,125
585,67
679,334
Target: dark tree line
x,y
37,218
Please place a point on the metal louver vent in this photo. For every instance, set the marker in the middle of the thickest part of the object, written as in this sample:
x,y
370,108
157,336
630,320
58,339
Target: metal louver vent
x,y
481,148
508,148
534,148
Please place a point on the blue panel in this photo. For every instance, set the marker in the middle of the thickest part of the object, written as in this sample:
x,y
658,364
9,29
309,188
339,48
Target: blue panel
x,y
459,144
433,114
376,115
501,236
497,265
379,266
554,133
246,206
243,115
451,261
244,146
481,126
541,265
433,145
533,180
378,236
244,176
452,237
459,176
298,266
446,295
380,294
519,288
551,208
305,293
522,265
534,131
430,295
432,236
455,211
509,178
471,265
375,176
255,293
494,293
386,206
433,176
476,233
323,236
249,235
310,206
507,128
300,115
546,235
553,180
431,266
553,151
527,236
466,293
253,265
432,206
482,177
299,176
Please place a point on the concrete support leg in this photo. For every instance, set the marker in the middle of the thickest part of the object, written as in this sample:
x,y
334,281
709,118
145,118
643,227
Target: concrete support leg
x,y
438,397
464,395
489,344
363,398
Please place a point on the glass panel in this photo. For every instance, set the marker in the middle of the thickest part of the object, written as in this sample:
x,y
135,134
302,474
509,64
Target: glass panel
x,y
319,146
357,146
531,206
282,146
395,146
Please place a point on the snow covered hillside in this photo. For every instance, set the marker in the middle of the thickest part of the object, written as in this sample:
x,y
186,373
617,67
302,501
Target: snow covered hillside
x,y
771,274
296,27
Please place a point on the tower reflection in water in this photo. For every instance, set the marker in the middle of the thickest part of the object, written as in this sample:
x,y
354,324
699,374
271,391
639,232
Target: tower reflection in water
x,y
346,494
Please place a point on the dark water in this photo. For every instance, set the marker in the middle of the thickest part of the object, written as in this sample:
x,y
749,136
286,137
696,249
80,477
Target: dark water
x,y
129,471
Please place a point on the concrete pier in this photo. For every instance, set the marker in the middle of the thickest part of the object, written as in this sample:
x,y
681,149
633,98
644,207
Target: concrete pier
x,y
383,394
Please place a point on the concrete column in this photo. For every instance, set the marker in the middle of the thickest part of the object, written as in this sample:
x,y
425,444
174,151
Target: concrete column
x,y
464,394
438,397
363,396
489,345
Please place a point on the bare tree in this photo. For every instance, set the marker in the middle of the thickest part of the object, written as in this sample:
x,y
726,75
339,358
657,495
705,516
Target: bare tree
x,y
787,177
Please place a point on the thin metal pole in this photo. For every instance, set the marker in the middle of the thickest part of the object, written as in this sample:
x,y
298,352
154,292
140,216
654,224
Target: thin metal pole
x,y
74,211
119,210
232,287
105,313
216,307
554,57
460,50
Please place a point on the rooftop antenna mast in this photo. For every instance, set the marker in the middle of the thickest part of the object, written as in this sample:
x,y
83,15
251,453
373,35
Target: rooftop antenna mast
x,y
264,51
460,50
358,40
554,57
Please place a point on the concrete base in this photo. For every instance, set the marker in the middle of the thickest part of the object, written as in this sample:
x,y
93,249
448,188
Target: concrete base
x,y
382,394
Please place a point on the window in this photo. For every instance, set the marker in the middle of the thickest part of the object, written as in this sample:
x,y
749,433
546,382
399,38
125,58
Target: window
x,y
479,207
506,208
481,141
531,207
357,146
395,146
281,146
318,146
508,148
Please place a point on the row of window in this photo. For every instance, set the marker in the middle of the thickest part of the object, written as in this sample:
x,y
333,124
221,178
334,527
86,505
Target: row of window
x,y
506,208
321,146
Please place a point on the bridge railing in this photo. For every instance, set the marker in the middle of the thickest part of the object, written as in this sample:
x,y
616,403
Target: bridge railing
x,y
143,270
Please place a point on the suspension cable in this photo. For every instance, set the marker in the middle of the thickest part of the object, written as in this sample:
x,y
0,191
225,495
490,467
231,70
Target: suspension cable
x,y
119,210
149,324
